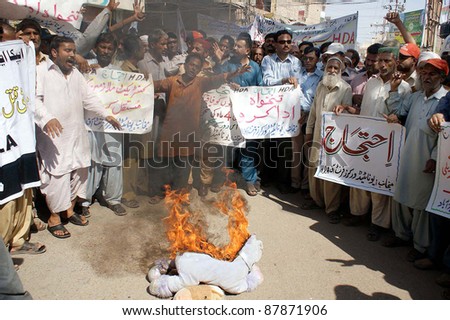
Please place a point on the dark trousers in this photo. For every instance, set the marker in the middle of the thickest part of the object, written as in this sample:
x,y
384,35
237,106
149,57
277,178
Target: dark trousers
x,y
169,171
10,285
277,161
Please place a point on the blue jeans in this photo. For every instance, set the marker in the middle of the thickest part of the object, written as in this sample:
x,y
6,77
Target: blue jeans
x,y
249,160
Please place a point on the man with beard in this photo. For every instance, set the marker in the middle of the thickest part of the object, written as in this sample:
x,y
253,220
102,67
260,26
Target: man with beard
x,y
358,83
62,95
105,182
418,162
374,105
280,68
331,92
407,60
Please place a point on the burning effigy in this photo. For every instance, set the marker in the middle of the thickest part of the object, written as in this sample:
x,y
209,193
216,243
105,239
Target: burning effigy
x,y
195,260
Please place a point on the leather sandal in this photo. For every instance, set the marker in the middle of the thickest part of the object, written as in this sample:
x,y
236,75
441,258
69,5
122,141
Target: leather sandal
x,y
77,220
59,227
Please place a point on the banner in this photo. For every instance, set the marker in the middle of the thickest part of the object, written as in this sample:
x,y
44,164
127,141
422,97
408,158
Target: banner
x,y
440,197
342,30
123,4
360,152
444,11
414,22
267,112
217,28
18,165
181,33
127,96
219,118
62,17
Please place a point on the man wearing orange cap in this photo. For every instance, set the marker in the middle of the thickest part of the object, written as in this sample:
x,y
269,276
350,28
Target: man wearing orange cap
x,y
418,161
407,60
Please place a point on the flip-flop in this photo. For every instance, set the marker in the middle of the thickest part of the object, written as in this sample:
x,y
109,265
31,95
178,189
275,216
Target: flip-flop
x,y
59,227
130,203
29,248
77,220
38,225
155,199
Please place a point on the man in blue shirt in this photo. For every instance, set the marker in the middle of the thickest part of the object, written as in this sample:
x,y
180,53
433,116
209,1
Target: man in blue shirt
x,y
280,68
309,78
249,154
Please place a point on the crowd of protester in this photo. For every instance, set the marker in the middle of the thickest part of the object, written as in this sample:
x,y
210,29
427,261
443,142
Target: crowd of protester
x,y
401,83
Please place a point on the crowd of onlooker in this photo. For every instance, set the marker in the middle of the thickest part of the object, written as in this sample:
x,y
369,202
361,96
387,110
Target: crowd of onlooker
x,y
401,83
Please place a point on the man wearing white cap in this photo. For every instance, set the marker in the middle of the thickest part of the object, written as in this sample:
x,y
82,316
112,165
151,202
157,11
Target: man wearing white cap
x,y
333,49
331,92
423,58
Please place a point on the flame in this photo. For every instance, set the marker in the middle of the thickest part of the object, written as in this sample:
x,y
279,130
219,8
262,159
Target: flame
x,y
186,237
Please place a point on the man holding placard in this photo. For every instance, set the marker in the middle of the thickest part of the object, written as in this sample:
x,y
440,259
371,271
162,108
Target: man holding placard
x,y
331,91
418,162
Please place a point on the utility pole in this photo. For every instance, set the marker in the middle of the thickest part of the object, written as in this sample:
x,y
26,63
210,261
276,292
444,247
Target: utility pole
x,y
433,10
393,6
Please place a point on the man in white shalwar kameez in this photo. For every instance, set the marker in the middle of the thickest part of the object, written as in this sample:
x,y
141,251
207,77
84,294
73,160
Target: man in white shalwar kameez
x,y
331,91
62,94
374,105
418,160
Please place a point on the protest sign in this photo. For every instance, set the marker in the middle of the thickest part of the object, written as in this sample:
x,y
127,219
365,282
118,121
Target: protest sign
x,y
342,30
267,112
219,118
440,197
217,28
360,152
18,165
62,17
123,4
414,24
127,96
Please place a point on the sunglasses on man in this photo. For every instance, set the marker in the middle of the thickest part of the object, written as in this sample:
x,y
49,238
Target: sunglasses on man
x,y
284,41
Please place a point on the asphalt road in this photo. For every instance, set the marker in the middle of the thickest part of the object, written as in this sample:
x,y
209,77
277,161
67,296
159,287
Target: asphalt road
x,y
304,257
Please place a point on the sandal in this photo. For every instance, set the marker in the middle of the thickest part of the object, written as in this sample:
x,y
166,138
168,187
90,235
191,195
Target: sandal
x,y
251,189
59,227
130,203
310,205
38,225
77,220
117,209
29,248
334,218
155,199
85,212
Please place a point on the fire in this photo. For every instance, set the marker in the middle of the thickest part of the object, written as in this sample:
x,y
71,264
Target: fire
x,y
186,237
